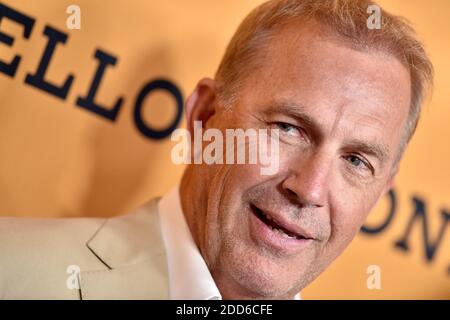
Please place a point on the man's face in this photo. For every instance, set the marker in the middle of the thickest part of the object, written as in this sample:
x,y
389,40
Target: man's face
x,y
340,114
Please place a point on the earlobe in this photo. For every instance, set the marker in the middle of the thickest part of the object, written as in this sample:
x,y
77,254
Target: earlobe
x,y
200,105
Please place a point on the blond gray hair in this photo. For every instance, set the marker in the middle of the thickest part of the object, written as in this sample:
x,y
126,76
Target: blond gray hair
x,y
346,19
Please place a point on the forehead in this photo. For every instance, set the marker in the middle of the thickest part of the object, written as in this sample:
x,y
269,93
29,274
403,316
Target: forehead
x,y
347,90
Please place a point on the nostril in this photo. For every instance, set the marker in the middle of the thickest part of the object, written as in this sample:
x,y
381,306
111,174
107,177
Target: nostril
x,y
303,192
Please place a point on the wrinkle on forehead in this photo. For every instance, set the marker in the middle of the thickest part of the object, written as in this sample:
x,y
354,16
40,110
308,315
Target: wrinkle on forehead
x,y
367,92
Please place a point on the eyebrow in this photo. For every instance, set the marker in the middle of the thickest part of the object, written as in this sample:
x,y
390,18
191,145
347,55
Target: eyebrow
x,y
379,151
297,111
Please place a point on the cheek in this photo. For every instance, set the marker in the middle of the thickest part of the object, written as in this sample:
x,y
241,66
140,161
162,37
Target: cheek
x,y
348,211
238,180
228,214
226,187
344,227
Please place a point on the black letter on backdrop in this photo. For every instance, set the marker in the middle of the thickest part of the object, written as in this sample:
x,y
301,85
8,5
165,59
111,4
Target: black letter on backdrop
x,y
146,90
88,102
37,79
27,23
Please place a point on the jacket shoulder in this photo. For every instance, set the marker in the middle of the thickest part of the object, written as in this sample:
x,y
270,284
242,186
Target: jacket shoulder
x,y
39,255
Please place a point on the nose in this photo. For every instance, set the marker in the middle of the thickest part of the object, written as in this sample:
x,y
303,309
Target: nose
x,y
307,180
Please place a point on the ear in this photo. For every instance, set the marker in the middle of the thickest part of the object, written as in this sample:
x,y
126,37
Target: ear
x,y
201,104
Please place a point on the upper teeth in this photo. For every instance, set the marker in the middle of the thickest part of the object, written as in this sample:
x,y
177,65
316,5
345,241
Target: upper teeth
x,y
279,231
284,234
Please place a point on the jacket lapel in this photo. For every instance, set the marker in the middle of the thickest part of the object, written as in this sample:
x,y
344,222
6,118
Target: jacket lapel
x,y
132,250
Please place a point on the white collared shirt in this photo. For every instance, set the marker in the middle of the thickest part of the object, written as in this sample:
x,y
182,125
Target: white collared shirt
x,y
189,276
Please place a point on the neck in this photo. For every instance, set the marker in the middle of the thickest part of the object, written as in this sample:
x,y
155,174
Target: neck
x,y
191,204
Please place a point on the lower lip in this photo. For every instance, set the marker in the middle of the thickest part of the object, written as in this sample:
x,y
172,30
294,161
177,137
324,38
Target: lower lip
x,y
264,235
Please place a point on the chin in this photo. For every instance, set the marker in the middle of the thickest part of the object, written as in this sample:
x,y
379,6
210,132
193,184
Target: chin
x,y
263,277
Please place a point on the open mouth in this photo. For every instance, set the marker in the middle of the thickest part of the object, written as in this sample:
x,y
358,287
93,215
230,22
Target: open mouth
x,y
274,225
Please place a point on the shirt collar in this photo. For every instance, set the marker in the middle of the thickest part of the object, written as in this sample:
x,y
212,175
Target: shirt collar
x,y
189,276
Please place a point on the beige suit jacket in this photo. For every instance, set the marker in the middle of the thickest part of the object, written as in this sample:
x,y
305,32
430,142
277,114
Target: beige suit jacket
x,y
118,258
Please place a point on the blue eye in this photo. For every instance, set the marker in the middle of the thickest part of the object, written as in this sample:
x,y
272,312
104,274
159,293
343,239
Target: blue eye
x,y
286,127
356,161
359,163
